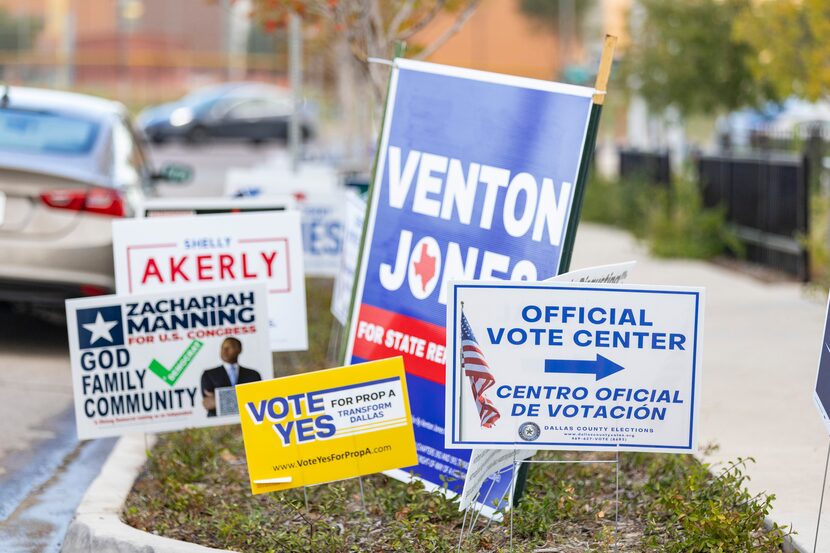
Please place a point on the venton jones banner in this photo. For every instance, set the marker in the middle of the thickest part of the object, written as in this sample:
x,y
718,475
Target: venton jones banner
x,y
475,179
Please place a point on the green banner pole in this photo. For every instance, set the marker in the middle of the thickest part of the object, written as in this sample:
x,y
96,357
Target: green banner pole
x,y
400,50
601,85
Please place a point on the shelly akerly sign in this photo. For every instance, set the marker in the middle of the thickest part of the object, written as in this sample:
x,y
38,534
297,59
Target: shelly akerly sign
x,y
177,253
151,363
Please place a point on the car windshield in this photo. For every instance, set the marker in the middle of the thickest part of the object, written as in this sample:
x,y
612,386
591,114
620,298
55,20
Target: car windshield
x,y
44,132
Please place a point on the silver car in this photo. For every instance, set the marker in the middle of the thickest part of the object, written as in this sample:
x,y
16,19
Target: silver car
x,y
69,164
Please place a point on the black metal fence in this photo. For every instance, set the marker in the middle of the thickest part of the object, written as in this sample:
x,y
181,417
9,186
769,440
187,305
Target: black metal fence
x,y
767,202
652,167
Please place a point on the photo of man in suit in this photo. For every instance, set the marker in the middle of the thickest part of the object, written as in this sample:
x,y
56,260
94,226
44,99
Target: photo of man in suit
x,y
229,373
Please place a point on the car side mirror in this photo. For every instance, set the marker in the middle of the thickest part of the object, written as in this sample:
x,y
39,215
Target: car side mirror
x,y
177,173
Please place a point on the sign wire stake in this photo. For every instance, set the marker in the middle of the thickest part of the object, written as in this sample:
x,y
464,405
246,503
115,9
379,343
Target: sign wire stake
x,y
478,512
617,505
821,501
461,534
305,497
362,495
512,498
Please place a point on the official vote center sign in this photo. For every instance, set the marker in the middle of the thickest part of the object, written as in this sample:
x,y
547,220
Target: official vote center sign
x,y
565,366
147,363
326,425
163,254
475,179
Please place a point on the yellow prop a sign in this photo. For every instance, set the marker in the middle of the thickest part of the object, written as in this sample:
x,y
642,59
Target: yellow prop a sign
x,y
327,425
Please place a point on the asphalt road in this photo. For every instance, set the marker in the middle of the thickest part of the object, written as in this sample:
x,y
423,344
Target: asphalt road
x,y
44,470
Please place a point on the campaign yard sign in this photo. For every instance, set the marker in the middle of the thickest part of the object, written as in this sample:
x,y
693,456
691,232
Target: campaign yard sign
x,y
341,296
488,464
319,197
177,253
170,207
148,362
326,425
821,394
573,367
475,179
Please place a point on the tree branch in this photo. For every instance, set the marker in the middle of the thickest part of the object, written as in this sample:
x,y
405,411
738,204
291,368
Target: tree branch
x,y
459,22
403,14
424,21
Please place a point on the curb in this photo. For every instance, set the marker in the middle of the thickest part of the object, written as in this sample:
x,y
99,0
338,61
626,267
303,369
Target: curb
x,y
97,526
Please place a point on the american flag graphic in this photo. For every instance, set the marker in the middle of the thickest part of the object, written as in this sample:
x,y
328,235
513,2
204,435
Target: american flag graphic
x,y
476,368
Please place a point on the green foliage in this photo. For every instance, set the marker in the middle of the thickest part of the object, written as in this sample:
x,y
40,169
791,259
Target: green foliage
x,y
818,249
697,512
320,324
673,222
791,46
548,11
18,33
620,203
677,224
684,54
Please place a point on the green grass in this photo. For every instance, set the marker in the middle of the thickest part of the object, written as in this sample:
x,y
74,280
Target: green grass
x,y
195,488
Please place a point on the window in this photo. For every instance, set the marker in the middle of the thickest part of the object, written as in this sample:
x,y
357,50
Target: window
x,y
46,133
129,165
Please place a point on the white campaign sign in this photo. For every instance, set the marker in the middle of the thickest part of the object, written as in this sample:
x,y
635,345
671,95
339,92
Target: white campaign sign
x,y
146,363
177,253
167,207
341,297
319,196
821,394
485,463
573,366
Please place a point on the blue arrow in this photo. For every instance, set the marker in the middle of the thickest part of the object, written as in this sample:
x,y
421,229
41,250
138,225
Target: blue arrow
x,y
601,368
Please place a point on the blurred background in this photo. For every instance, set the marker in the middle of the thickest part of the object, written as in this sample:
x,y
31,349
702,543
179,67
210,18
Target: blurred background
x,y
714,144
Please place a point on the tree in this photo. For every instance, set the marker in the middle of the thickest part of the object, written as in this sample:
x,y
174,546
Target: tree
x,y
18,33
685,55
370,27
791,41
565,18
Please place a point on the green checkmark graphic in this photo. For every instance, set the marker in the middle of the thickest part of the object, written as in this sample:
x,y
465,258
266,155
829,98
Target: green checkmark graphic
x,y
172,374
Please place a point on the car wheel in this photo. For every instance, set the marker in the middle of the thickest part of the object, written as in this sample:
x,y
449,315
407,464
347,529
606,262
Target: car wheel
x,y
197,135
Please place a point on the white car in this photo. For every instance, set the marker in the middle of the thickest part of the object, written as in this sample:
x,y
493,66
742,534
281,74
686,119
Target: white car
x,y
69,164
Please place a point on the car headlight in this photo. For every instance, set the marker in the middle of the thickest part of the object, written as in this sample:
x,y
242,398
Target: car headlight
x,y
181,117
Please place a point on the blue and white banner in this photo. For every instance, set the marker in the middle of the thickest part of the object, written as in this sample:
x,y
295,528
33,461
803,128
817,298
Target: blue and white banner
x,y
486,464
341,296
574,366
821,394
475,179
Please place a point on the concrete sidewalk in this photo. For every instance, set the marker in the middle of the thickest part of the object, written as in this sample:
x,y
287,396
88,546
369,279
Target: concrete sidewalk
x,y
761,345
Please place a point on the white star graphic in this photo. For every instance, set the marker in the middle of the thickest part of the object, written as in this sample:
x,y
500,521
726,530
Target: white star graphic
x,y
100,329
